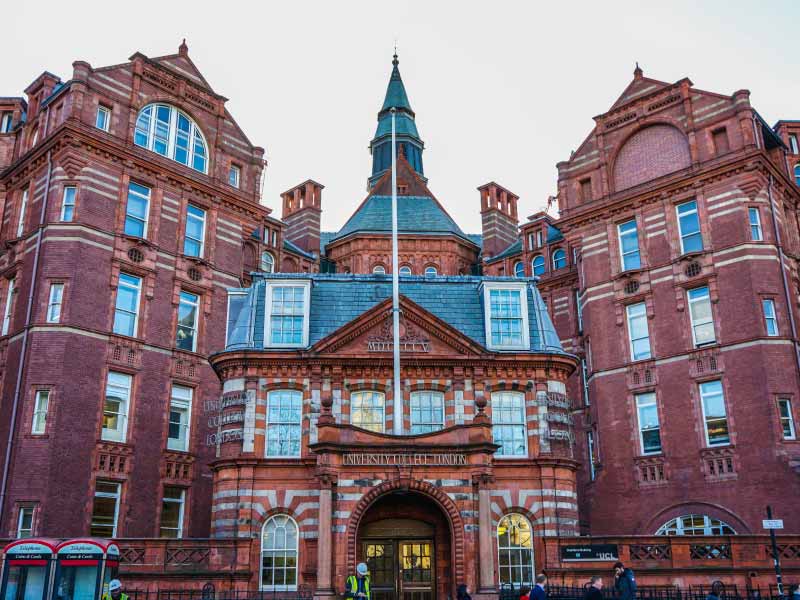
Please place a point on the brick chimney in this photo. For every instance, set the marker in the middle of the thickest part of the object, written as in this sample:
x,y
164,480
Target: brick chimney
x,y
302,207
498,218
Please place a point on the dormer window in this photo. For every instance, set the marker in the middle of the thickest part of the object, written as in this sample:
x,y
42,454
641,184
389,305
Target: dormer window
x,y
6,120
286,322
167,131
506,316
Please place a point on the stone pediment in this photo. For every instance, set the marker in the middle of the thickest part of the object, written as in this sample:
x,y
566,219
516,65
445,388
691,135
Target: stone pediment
x,y
421,335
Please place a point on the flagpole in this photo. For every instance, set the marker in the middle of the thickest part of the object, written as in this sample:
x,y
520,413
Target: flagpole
x,y
397,404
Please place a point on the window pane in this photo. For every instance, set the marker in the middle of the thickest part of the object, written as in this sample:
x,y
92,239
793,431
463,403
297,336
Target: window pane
x,y
284,423
508,423
367,410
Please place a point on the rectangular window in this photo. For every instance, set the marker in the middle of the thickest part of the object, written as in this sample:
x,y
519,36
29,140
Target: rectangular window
x,y
8,306
787,419
284,423
579,310
586,189
68,203
649,427
137,210
755,224
233,176
180,417
172,512
427,412
105,510
720,136
770,319
54,303
237,332
638,334
194,239
40,406
25,522
115,407
509,424
530,241
5,122
287,319
539,239
186,337
23,205
714,413
507,319
590,453
368,410
629,245
701,316
103,120
689,227
793,144
126,309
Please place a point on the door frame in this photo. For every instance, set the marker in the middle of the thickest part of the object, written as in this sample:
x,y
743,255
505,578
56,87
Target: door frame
x,y
397,543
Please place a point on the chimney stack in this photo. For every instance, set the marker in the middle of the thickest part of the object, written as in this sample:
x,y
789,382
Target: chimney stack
x,y
302,208
498,218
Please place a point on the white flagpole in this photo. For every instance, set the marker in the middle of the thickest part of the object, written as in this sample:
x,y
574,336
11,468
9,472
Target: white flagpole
x,y
397,428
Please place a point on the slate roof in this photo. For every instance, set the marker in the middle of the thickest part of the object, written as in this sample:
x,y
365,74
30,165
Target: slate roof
x,y
415,214
476,238
514,248
336,300
292,247
396,96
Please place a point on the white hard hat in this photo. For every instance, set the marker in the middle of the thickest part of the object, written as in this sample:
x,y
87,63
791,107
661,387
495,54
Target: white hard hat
x,y
362,569
114,584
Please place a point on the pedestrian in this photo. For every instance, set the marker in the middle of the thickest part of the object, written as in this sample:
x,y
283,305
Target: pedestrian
x,y
462,592
115,591
539,592
717,588
594,591
794,591
624,582
357,586
525,593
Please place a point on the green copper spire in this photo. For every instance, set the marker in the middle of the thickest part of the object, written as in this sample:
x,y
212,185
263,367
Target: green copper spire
x,y
396,92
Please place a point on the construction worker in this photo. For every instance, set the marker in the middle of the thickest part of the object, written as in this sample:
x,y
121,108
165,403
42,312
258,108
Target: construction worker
x,y
115,591
357,586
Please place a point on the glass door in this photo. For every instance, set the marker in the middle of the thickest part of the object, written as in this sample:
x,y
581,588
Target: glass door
x,y
380,558
416,570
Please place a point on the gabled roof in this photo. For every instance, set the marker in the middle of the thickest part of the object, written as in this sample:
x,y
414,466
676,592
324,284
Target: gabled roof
x,y
640,86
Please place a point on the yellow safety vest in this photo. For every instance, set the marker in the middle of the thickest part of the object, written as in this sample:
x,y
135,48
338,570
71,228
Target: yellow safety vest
x,y
352,584
107,596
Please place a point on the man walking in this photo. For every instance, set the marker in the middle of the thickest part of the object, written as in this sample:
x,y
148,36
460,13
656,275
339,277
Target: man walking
x,y
538,592
357,586
595,589
624,582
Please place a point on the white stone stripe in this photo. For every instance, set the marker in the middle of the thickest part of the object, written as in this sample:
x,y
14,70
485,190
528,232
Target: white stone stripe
x,y
598,297
229,240
595,245
720,205
188,74
713,114
661,279
52,238
602,250
222,221
601,286
744,247
661,270
652,234
595,236
165,266
101,193
99,173
168,218
746,257
170,201
722,213
123,86
711,199
111,89
655,217
100,182
656,225
708,107
234,279
66,227
641,92
169,209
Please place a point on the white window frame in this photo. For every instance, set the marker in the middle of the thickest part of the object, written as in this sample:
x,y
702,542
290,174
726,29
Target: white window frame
x,y
180,400
55,302
405,270
415,399
231,293
271,264
138,194
770,317
629,318
287,283
23,206
106,112
533,265
183,300
68,202
194,129
579,310
530,241
637,252
590,452
116,495
234,172
122,383
137,287
9,302
539,242
279,396
496,398
285,552
520,287
703,396
695,324
699,231
375,396
379,270
519,269
553,259
202,241
5,121
41,404
512,550
644,401
676,527
181,502
23,510
431,271
756,233
793,144
788,419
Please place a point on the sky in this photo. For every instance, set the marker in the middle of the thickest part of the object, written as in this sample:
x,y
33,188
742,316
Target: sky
x,y
502,90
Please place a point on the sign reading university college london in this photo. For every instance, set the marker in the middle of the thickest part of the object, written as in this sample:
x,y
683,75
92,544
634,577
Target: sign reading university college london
x,y
404,459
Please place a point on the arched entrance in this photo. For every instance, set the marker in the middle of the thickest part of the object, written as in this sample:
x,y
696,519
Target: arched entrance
x,y
405,539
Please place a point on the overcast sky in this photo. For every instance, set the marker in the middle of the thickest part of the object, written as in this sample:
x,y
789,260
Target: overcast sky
x,y
502,90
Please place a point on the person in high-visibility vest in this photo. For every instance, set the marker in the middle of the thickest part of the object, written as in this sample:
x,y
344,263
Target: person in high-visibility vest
x,y
357,586
115,591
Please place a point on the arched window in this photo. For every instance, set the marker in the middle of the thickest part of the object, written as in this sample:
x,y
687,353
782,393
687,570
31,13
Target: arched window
x,y
515,549
430,271
405,270
519,269
367,410
538,265
797,174
279,554
168,131
695,525
379,270
559,259
267,262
